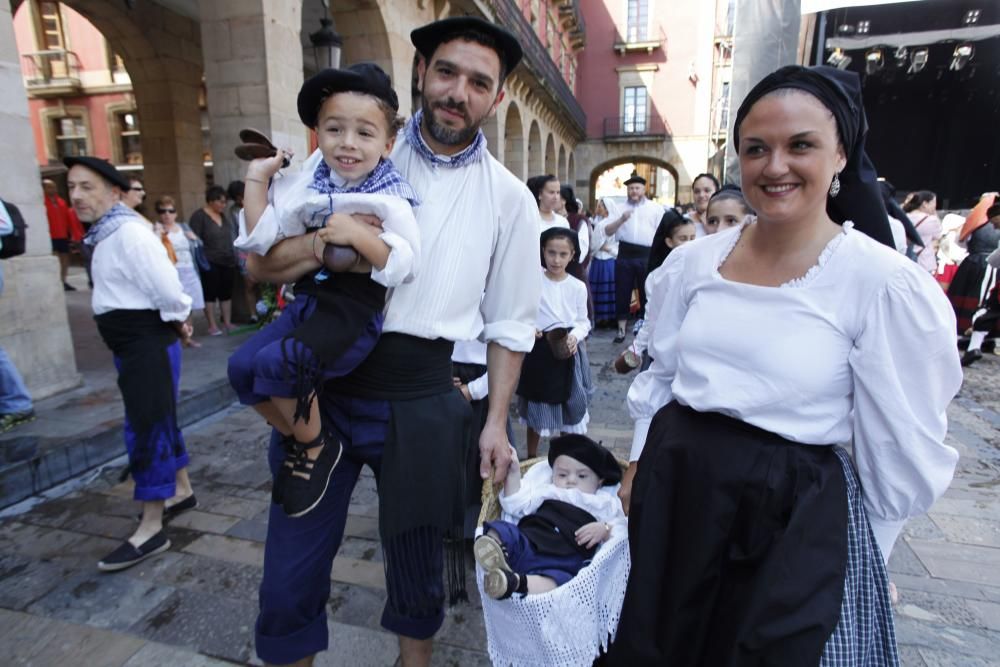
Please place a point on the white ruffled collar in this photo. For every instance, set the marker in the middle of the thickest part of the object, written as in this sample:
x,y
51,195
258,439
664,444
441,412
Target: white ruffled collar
x,y
808,276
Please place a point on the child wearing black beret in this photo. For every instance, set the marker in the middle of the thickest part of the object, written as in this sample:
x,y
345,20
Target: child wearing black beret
x,y
551,527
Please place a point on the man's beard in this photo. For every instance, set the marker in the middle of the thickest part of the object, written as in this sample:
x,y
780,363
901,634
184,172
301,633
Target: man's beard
x,y
444,134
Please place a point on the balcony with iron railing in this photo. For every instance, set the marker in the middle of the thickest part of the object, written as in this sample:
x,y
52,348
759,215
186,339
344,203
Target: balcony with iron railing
x,y
51,73
635,40
537,59
651,127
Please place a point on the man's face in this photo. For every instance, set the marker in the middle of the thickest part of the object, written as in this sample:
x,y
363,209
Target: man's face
x,y
49,187
90,195
460,89
135,195
636,191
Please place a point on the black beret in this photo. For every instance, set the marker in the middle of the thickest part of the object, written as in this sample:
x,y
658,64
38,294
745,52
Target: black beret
x,y
427,38
635,178
366,78
102,167
591,454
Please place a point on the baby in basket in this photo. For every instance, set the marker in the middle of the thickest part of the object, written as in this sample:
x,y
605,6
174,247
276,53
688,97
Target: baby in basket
x,y
560,523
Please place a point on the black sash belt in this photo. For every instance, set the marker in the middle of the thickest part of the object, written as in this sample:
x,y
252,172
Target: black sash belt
x,y
401,367
628,250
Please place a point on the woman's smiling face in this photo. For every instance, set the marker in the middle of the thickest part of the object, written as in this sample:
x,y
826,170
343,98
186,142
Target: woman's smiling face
x,y
789,153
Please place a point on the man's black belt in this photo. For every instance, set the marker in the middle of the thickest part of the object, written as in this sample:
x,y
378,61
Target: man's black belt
x,y
628,250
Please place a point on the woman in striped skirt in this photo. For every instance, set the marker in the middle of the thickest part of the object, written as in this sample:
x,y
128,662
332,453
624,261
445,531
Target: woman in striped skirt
x,y
755,538
602,266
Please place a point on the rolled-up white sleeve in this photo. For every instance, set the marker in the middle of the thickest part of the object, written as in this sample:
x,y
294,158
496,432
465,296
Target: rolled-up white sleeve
x,y
906,371
399,232
152,272
651,389
514,282
265,235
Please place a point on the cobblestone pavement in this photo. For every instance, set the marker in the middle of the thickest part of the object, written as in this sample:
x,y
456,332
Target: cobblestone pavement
x,y
195,605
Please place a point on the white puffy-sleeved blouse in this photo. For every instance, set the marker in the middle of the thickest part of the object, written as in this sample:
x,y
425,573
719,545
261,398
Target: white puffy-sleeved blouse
x,y
862,347
564,304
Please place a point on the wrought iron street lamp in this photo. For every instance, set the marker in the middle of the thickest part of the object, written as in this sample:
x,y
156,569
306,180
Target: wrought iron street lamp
x,y
326,45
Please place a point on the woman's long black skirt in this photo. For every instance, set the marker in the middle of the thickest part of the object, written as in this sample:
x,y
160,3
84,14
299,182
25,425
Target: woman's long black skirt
x,y
749,549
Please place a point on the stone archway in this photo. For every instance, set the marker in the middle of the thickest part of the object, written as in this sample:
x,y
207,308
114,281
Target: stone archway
x,y
635,159
162,53
571,171
491,129
536,162
513,149
561,173
550,155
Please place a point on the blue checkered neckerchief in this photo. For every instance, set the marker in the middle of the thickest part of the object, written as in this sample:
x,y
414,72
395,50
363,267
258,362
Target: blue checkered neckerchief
x,y
384,179
473,153
109,223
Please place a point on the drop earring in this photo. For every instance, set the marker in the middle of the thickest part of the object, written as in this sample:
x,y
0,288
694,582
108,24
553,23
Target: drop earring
x,y
835,185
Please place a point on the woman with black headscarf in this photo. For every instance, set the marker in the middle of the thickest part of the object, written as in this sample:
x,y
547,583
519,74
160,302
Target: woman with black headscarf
x,y
755,539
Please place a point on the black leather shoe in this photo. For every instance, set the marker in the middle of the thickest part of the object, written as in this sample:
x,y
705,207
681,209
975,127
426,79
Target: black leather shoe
x,y
620,338
971,357
127,555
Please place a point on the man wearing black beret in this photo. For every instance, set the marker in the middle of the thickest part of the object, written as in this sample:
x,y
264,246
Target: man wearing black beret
x,y
140,309
478,278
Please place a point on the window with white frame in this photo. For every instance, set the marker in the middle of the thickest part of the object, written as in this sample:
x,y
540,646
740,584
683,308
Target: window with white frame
x,y
127,127
638,20
70,134
635,100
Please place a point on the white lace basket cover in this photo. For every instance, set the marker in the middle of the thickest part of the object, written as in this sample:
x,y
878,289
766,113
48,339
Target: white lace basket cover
x,y
569,625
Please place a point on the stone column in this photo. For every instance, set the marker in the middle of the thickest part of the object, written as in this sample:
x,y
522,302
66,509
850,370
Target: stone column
x,y
253,72
34,328
766,36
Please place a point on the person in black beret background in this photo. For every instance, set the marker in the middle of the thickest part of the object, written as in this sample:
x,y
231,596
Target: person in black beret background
x,y
141,310
554,522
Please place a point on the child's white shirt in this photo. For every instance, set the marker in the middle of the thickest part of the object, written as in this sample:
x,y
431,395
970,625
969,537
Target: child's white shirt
x,y
564,303
291,202
537,487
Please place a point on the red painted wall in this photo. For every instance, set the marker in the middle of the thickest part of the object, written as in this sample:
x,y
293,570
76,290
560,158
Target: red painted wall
x,y
672,95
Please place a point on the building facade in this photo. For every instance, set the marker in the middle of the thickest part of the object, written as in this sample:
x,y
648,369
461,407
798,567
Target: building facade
x,y
653,82
135,81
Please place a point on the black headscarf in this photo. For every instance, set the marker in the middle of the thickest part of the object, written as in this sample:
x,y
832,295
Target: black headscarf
x,y
839,91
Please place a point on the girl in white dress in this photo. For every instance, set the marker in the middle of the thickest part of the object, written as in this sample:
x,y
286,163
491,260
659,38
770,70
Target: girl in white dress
x,y
554,389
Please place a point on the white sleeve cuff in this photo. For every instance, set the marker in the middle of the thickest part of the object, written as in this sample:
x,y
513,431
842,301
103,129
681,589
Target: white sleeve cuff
x,y
639,437
398,268
514,335
886,532
480,387
263,237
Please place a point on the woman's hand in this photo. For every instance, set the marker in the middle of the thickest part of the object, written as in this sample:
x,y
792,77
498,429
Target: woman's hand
x,y
592,534
571,343
466,394
625,492
538,333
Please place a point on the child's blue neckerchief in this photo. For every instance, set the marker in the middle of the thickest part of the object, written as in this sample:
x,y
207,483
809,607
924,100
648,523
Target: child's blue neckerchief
x,y
472,153
109,223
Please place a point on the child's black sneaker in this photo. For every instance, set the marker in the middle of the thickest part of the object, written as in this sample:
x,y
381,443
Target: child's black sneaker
x,y
500,585
303,487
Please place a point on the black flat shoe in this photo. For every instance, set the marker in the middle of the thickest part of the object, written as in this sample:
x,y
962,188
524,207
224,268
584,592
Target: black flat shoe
x,y
971,357
620,338
127,555
188,503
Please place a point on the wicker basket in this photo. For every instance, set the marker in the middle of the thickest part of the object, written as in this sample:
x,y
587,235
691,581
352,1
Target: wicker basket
x,y
491,491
